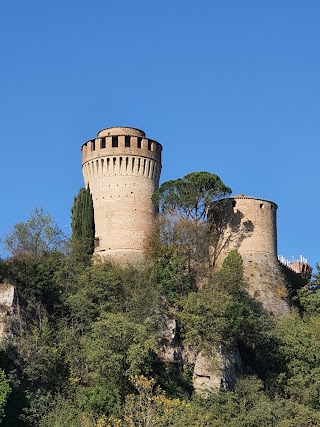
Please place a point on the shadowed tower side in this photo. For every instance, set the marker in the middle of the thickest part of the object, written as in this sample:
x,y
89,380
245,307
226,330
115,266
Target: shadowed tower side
x,y
251,228
122,167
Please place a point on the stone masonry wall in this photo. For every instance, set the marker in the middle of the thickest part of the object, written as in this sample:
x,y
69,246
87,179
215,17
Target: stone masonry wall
x,y
249,226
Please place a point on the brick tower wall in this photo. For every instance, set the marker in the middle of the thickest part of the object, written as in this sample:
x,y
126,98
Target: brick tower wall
x,y
122,167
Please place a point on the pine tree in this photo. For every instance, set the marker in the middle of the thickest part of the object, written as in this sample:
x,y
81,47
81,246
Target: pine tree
x,y
83,229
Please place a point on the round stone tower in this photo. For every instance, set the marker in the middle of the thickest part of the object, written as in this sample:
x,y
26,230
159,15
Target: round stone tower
x,y
249,225
122,168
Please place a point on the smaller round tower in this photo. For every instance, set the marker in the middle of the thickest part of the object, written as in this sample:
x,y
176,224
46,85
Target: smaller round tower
x,y
249,225
122,168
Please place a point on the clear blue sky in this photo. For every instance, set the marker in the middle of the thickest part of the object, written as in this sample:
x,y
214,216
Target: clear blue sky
x,y
230,87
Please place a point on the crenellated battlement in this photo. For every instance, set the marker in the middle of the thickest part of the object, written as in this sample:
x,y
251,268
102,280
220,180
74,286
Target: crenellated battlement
x,y
127,145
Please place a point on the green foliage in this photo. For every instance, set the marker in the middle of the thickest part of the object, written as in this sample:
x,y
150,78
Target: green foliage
x,y
38,282
202,318
316,275
211,316
143,300
95,290
33,238
176,384
180,250
151,407
183,233
222,313
170,271
190,197
300,348
39,403
99,399
83,227
308,301
230,277
292,414
85,338
67,413
41,357
5,391
116,349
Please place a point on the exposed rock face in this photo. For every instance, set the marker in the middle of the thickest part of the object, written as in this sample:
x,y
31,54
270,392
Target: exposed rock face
x,y
170,350
6,307
213,372
210,372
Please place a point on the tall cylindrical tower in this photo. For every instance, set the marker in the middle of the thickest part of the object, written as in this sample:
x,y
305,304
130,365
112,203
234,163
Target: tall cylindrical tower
x,y
249,225
122,167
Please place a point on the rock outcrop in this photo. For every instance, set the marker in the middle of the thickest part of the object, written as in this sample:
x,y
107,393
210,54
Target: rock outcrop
x,y
215,371
6,307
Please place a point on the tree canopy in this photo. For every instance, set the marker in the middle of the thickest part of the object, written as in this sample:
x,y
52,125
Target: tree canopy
x,y
190,197
38,235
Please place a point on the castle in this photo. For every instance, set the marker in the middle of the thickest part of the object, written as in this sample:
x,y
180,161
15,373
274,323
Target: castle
x,y
122,168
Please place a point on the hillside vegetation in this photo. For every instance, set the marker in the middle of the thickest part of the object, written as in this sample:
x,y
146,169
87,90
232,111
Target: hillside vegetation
x,y
85,343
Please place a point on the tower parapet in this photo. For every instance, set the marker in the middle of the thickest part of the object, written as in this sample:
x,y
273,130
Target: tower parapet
x,y
122,167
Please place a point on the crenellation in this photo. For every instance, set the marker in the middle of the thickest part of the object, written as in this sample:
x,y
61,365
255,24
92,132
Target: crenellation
x,y
117,145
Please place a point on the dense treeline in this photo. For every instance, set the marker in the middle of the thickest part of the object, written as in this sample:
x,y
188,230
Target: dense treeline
x,y
84,347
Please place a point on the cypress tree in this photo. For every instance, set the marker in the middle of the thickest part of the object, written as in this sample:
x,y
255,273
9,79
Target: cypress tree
x,y
82,224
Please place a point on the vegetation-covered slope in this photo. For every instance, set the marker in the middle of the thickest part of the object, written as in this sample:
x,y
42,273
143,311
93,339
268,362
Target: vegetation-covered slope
x,y
85,343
